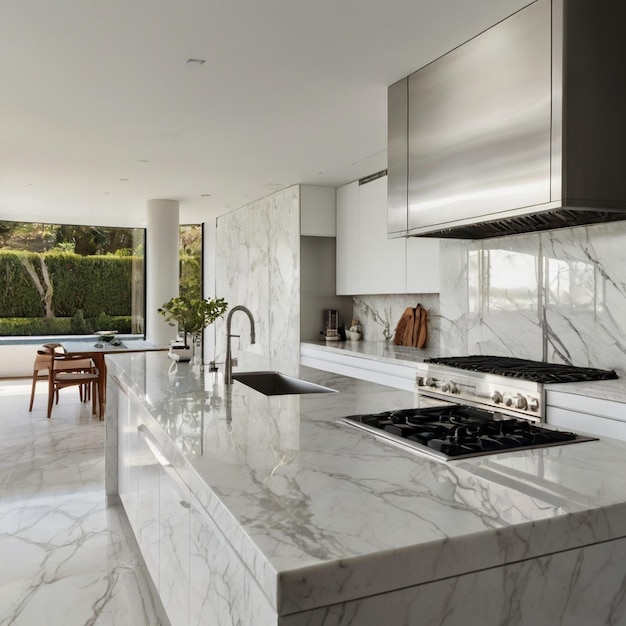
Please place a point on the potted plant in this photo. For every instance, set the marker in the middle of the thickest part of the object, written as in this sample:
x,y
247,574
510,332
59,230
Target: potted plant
x,y
191,315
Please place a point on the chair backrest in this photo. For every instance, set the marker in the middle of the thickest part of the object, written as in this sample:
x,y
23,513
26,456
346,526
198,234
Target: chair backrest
x,y
53,356
45,355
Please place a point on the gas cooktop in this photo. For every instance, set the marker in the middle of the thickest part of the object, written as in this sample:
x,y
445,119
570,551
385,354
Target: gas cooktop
x,y
458,431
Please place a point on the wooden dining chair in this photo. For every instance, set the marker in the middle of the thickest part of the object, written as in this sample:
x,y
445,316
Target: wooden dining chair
x,y
67,370
42,365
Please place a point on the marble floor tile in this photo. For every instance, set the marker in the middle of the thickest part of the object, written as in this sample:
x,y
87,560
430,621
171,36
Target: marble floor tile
x,y
66,558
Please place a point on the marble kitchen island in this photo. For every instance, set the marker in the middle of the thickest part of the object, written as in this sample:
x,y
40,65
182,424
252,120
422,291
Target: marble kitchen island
x,y
263,510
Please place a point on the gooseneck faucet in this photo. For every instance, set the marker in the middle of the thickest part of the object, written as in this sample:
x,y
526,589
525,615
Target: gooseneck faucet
x,y
228,366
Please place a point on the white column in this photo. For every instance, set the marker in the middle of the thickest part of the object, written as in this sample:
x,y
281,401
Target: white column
x,y
161,267
210,245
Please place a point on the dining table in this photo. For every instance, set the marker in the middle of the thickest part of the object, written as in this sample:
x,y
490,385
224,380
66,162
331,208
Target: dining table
x,y
97,348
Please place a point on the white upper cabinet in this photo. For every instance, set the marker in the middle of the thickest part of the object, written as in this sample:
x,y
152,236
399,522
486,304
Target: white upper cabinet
x,y
368,262
348,239
317,211
381,260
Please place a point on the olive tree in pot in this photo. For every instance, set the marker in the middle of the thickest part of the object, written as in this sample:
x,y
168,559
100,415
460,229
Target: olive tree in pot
x,y
191,315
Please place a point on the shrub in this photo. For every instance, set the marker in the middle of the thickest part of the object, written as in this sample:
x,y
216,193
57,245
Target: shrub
x,y
93,284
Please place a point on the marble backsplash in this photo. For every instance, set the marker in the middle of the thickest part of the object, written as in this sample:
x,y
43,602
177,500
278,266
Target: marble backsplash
x,y
558,296
379,314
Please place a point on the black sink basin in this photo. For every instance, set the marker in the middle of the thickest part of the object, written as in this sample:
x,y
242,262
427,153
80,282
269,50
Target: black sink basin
x,y
277,384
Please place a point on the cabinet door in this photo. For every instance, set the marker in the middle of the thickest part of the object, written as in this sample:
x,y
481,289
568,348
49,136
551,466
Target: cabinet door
x,y
382,261
174,496
127,455
422,265
147,531
317,211
348,239
596,425
584,414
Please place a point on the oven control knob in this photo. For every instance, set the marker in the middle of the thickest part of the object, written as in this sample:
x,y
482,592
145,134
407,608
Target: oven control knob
x,y
533,405
517,402
496,397
449,387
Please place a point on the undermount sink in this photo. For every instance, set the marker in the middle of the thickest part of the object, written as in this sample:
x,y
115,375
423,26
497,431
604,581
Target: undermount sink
x,y
277,384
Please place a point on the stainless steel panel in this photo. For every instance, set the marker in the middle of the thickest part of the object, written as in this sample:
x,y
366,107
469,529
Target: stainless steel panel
x,y
480,125
397,158
556,179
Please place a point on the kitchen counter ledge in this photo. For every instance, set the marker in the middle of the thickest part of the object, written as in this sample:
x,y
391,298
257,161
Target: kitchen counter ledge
x,y
327,518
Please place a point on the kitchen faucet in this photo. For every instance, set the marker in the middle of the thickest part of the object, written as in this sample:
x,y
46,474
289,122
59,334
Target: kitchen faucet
x,y
228,366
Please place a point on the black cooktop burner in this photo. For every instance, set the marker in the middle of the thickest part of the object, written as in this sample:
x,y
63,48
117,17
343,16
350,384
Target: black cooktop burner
x,y
535,371
457,431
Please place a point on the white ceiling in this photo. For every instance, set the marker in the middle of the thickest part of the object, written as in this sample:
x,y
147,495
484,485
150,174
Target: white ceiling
x,y
100,111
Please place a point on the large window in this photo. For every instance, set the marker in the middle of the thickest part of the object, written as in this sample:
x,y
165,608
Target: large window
x,y
190,267
64,279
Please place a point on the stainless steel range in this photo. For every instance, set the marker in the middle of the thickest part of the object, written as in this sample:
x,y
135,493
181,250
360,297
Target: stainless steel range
x,y
489,405
511,386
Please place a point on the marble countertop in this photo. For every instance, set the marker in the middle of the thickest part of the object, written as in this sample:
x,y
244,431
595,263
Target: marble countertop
x,y
321,513
376,350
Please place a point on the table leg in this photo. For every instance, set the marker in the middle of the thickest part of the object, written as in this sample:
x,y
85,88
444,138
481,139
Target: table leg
x,y
98,359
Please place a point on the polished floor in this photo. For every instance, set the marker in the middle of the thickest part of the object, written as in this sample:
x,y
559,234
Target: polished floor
x,y
66,558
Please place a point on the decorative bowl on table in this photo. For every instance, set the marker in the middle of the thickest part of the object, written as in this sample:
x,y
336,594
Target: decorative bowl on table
x,y
106,335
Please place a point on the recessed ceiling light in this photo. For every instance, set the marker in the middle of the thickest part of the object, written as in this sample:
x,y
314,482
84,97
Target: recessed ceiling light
x,y
195,62
124,180
143,161
205,195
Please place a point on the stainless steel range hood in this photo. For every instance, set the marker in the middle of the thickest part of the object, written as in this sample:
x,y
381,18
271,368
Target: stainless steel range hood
x,y
520,129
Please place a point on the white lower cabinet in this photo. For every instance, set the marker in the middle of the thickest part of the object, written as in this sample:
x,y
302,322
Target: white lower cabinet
x,y
148,478
594,416
156,501
127,454
174,545
200,578
400,375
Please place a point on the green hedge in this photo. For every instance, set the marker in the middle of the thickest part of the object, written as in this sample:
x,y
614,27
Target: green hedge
x,y
24,326
92,284
18,296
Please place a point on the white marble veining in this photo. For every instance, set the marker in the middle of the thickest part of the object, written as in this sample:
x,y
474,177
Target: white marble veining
x,y
66,558
532,592
258,261
320,514
558,296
